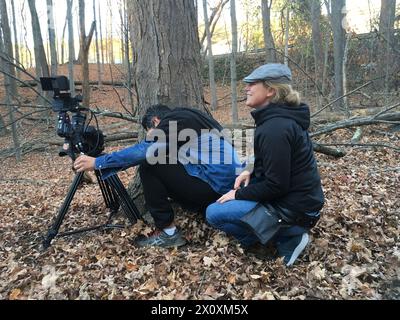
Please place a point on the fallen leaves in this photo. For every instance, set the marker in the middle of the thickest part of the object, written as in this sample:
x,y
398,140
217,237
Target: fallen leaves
x,y
354,252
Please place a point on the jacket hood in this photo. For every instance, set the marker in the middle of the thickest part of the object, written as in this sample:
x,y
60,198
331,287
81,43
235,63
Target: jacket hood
x,y
300,114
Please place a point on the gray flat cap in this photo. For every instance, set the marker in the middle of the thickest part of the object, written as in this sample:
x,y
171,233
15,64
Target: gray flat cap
x,y
272,72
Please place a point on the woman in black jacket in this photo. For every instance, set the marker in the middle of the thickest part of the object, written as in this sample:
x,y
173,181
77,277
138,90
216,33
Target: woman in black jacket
x,y
279,201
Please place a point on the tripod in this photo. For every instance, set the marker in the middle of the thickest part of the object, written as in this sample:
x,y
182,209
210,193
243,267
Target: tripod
x,y
114,195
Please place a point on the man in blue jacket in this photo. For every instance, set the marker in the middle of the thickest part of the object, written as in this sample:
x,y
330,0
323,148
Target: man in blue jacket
x,y
185,157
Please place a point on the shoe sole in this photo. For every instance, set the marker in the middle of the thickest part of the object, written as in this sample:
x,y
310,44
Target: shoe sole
x,y
180,243
300,247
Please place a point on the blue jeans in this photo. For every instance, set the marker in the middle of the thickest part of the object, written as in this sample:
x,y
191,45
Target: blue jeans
x,y
226,217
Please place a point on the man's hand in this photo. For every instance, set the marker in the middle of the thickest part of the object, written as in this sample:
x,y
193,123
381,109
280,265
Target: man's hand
x,y
227,196
84,163
244,177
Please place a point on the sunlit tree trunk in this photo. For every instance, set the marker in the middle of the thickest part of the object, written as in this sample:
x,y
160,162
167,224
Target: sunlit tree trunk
x,y
16,43
7,51
268,38
233,63
211,71
84,49
52,37
71,47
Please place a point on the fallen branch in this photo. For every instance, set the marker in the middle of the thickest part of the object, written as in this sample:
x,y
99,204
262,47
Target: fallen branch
x,y
355,122
337,153
379,145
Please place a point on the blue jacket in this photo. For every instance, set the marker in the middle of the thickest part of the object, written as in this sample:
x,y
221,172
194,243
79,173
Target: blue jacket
x,y
211,158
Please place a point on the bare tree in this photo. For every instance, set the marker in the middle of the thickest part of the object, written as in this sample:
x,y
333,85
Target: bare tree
x,y
337,8
99,66
101,40
268,38
84,49
213,20
71,47
233,63
211,71
386,32
7,51
16,43
42,68
166,53
317,40
286,56
4,62
63,38
52,37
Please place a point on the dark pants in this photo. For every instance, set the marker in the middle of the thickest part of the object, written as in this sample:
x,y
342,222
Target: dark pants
x,y
163,181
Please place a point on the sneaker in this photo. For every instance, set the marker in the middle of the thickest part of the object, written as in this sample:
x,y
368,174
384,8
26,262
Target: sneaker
x,y
262,252
160,239
291,248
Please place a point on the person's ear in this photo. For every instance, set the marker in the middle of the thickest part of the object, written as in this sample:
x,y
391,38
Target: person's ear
x,y
271,92
155,121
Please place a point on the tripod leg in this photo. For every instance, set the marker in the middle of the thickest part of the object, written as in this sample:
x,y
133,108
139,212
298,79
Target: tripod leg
x,y
108,195
129,207
53,231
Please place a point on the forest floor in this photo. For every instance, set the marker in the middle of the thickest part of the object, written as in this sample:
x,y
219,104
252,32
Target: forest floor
x,y
354,251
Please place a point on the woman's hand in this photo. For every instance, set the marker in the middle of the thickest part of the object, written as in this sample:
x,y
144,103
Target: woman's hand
x,y
244,178
84,163
227,196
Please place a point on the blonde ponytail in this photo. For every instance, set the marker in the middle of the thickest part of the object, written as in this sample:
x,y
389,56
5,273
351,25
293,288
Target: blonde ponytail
x,y
284,94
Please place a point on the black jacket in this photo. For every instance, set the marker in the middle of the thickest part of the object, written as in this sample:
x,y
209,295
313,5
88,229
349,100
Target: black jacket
x,y
285,171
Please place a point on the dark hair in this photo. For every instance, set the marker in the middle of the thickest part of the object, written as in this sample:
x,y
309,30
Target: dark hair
x,y
158,110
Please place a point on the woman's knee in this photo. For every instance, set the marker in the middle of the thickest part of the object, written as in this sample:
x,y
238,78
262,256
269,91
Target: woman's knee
x,y
213,213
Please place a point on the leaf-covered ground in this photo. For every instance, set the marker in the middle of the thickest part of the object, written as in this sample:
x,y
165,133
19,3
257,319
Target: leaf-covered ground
x,y
354,251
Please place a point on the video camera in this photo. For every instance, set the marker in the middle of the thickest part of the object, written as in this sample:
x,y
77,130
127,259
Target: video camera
x,y
79,136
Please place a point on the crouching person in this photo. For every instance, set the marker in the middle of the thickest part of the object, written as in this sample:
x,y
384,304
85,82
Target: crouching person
x,y
185,157
279,202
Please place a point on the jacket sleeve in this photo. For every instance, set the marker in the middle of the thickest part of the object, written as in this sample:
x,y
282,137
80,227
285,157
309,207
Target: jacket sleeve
x,y
125,158
274,148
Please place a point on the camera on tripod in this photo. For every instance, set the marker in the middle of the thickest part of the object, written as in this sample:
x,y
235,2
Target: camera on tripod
x,y
82,138
79,136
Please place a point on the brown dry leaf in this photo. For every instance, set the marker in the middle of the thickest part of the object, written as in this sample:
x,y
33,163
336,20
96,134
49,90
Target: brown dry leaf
x,y
14,294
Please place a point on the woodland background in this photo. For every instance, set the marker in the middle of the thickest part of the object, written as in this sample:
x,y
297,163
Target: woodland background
x,y
161,52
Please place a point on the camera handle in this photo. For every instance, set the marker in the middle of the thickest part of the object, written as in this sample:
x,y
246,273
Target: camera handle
x,y
114,195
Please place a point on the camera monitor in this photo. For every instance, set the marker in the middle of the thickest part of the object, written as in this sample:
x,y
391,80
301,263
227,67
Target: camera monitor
x,y
55,84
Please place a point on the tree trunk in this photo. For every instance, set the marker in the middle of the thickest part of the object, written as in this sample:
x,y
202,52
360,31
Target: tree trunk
x,y
8,89
317,41
7,49
386,32
97,44
211,72
42,68
84,48
127,59
101,41
338,46
63,40
52,37
166,52
71,47
215,15
233,63
268,38
285,58
16,45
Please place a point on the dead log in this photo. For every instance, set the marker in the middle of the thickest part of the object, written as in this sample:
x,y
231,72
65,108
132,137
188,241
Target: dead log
x,y
357,122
